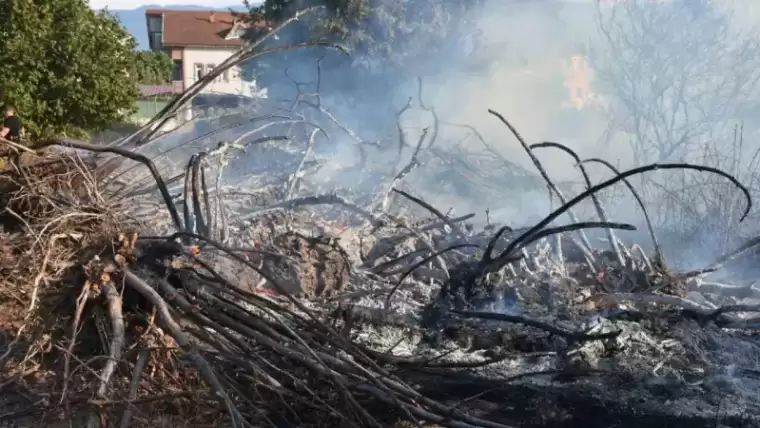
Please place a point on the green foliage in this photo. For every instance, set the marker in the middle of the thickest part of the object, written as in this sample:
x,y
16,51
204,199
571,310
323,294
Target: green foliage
x,y
385,35
67,69
154,68
390,43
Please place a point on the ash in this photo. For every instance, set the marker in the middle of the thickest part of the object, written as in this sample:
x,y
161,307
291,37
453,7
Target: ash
x,y
278,280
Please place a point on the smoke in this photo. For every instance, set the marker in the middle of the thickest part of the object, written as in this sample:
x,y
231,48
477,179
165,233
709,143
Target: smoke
x,y
527,60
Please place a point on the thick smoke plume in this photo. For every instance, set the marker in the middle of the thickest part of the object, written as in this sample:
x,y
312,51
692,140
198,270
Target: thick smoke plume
x,y
376,243
554,69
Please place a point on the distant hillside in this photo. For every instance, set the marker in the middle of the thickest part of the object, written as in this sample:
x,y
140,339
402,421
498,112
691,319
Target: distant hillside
x,y
134,19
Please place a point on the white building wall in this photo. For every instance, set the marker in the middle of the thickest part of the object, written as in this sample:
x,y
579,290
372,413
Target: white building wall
x,y
229,83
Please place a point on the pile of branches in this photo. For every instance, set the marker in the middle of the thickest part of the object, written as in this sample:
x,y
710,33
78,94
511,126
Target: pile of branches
x,y
111,325
125,322
53,222
140,285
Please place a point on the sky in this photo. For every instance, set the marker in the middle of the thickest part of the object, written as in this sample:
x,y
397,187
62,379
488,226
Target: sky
x,y
131,4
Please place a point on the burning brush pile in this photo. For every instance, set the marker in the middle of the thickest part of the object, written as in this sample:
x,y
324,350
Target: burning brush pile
x,y
147,285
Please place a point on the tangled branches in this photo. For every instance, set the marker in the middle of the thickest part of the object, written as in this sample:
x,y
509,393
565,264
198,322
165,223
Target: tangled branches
x,y
175,330
137,287
152,286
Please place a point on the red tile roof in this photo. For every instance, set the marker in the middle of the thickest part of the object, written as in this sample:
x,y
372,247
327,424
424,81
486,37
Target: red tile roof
x,y
153,90
203,28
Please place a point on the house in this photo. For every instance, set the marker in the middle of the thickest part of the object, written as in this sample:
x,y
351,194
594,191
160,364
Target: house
x,y
198,41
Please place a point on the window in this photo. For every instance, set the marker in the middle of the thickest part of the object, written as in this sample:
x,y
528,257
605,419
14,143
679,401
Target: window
x,y
177,70
199,71
155,40
155,23
226,75
155,30
210,68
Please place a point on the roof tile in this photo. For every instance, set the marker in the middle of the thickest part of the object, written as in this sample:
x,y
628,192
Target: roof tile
x,y
205,28
153,90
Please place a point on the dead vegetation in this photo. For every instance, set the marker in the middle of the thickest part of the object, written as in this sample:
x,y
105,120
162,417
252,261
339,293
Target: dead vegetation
x,y
266,325
163,290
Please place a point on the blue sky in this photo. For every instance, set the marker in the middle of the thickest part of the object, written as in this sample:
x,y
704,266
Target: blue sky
x,y
131,4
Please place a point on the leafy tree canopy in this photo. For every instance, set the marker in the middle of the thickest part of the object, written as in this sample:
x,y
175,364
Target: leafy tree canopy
x,y
390,43
382,30
67,69
154,68
399,38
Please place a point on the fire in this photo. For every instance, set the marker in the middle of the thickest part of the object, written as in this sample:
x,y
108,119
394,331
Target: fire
x,y
578,78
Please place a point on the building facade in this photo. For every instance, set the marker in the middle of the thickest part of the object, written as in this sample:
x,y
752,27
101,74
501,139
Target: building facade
x,y
198,42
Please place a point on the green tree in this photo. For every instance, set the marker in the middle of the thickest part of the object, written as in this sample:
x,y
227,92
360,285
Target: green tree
x,y
68,69
154,68
391,33
389,41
